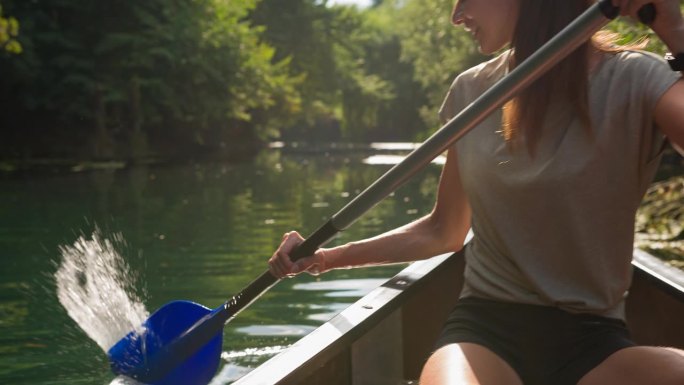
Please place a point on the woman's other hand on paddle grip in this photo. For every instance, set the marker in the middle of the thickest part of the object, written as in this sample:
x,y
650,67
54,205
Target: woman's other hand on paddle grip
x,y
668,23
280,265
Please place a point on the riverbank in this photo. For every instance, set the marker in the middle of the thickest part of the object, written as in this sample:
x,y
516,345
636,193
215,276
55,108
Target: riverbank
x,y
237,152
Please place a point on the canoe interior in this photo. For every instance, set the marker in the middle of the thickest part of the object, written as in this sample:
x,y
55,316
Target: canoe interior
x,y
655,305
386,336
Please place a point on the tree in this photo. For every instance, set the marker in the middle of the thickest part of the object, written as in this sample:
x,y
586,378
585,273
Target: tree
x,y
101,78
355,86
632,32
437,50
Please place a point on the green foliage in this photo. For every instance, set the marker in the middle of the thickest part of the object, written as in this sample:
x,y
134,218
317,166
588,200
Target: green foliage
x,y
660,221
356,85
9,31
129,79
631,32
329,47
192,75
437,50
364,87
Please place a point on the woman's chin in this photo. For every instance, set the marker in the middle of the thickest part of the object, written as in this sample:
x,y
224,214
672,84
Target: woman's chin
x,y
489,50
485,50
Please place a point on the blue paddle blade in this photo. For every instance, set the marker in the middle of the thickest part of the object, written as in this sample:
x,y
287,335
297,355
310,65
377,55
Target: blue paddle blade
x,y
159,353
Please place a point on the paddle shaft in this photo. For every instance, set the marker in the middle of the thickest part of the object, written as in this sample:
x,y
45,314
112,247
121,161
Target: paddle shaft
x,y
552,52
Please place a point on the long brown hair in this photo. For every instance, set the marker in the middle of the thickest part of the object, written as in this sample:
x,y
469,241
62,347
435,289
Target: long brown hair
x,y
567,82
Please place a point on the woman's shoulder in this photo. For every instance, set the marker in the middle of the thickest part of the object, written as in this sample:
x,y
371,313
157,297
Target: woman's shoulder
x,y
642,69
485,73
637,60
470,83
636,55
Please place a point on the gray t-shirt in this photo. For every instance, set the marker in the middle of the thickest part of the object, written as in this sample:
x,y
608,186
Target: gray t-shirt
x,y
557,229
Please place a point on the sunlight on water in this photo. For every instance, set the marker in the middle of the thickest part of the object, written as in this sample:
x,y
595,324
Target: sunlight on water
x,y
95,286
324,313
394,146
352,288
277,330
252,352
239,363
230,373
121,380
378,160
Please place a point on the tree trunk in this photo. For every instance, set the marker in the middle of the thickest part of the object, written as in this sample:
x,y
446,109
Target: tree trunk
x,y
137,148
102,144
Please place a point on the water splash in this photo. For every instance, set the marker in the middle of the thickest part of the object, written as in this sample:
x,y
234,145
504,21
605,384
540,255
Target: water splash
x,y
95,287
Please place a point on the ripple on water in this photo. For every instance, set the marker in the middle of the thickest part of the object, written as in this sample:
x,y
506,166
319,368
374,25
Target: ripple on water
x,y
240,362
342,287
276,330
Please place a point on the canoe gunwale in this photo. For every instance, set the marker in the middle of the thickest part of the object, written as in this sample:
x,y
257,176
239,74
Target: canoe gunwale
x,y
655,311
667,278
333,339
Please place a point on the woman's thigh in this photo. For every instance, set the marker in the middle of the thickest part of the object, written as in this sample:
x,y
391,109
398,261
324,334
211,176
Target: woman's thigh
x,y
467,364
639,365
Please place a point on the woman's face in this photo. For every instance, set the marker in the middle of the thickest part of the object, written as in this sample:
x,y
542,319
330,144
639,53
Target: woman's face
x,y
491,22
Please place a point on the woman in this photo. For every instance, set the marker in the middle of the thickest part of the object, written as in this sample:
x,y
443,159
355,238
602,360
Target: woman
x,y
550,186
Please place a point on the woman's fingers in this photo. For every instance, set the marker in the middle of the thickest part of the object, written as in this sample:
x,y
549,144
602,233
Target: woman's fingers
x,y
668,23
668,13
313,265
280,264
305,264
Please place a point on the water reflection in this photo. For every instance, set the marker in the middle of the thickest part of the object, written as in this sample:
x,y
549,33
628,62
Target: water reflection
x,y
240,362
121,380
276,330
199,232
379,160
354,288
230,373
324,313
252,352
394,146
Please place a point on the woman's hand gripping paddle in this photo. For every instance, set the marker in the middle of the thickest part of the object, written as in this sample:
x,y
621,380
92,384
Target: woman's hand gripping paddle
x,y
180,344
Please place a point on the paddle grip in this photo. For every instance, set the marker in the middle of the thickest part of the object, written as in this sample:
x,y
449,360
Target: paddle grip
x,y
320,237
647,13
262,283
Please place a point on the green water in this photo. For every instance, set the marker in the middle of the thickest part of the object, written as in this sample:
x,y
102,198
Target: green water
x,y
193,231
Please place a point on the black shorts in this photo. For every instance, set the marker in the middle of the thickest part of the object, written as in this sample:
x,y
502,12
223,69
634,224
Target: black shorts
x,y
544,345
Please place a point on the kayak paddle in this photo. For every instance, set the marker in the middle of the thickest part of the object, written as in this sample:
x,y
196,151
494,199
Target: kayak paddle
x,y
180,343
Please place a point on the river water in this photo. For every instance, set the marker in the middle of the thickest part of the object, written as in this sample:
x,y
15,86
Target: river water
x,y
195,231
87,254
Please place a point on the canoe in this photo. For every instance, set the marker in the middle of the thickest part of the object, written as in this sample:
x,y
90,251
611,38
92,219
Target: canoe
x,y
386,336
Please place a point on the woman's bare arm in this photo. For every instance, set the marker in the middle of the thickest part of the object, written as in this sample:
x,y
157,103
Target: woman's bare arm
x,y
443,230
669,115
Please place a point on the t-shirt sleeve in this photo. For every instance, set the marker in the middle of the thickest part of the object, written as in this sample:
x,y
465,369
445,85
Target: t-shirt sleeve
x,y
657,78
652,77
470,84
453,101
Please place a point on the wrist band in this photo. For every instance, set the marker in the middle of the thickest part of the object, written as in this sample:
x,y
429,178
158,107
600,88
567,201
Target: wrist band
x,y
676,61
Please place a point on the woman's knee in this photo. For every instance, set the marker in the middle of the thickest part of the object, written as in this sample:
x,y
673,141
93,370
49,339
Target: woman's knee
x,y
639,365
467,363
